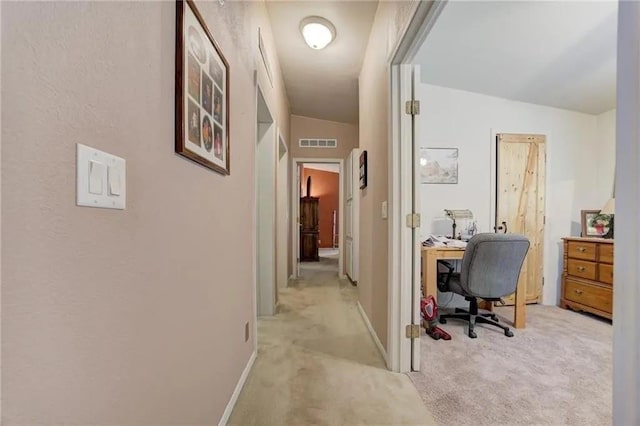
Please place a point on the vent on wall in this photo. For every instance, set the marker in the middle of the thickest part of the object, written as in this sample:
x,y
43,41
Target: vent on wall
x,y
318,143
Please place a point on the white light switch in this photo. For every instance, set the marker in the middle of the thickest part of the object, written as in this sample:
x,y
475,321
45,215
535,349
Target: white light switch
x,y
384,212
96,172
113,176
101,179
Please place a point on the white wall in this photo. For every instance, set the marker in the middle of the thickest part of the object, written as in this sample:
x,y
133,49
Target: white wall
x,y
455,118
137,316
606,158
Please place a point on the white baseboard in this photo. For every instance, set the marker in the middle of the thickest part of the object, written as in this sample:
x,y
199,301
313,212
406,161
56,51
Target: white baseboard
x,y
236,393
381,349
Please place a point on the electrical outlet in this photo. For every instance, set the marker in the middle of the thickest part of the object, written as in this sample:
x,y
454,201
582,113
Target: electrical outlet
x,y
246,332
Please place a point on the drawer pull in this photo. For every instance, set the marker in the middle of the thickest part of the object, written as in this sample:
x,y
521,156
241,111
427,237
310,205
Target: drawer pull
x,y
581,249
578,292
581,268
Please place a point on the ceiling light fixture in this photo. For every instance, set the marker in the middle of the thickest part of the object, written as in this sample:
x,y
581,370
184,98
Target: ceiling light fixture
x,y
317,32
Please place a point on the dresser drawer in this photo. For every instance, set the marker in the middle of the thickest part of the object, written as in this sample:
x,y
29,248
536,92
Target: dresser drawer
x,y
606,253
580,250
600,298
605,273
582,269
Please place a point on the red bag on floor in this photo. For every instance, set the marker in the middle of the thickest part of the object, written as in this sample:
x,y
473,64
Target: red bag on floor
x,y
429,312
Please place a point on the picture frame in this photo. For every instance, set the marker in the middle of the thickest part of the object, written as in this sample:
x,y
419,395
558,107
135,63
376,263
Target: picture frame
x,y
201,92
439,165
587,229
363,170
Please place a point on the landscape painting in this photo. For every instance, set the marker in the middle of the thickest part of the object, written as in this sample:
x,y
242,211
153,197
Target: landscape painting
x,y
439,165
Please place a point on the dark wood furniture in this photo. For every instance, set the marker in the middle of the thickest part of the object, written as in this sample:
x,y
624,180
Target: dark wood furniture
x,y
309,229
587,278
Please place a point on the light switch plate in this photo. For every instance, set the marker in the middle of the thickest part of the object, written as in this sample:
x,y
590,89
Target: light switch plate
x,y
100,179
384,212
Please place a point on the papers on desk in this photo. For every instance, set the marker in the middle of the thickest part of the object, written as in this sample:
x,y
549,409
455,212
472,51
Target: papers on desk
x,y
440,241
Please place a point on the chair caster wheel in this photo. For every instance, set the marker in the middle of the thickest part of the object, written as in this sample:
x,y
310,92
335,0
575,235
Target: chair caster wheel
x,y
442,320
508,333
473,334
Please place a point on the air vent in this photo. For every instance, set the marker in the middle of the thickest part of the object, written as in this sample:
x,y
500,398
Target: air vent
x,y
318,143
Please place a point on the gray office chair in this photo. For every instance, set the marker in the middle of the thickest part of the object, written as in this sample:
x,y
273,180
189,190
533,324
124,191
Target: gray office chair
x,y
490,270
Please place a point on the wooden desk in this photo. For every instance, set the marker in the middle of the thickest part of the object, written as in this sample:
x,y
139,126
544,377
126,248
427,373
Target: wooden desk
x,y
430,257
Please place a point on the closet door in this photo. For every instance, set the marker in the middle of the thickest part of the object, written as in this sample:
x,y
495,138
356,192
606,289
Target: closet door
x,y
520,202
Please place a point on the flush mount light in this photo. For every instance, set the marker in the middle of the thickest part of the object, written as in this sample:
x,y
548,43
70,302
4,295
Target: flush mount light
x,y
317,32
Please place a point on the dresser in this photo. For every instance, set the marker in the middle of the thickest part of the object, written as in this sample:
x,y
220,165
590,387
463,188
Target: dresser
x,y
587,275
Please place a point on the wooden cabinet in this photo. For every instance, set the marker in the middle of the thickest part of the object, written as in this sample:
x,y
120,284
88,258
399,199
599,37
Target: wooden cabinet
x,y
309,229
587,277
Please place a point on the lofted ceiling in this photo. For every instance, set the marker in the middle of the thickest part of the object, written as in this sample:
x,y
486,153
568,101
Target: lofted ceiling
x,y
560,54
322,83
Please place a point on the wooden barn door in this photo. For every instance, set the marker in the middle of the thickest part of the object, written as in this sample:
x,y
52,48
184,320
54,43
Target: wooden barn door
x,y
520,202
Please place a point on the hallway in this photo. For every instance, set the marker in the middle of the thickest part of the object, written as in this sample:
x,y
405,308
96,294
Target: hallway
x,y
317,363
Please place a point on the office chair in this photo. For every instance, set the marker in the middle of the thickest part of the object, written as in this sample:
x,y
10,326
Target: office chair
x,y
490,269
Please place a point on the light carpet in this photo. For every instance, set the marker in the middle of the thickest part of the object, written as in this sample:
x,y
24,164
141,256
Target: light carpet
x,y
318,365
556,371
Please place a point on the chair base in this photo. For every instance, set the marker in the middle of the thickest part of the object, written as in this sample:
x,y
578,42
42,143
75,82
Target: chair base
x,y
473,317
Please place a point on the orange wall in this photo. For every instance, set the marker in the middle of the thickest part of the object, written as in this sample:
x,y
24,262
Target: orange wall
x,y
324,185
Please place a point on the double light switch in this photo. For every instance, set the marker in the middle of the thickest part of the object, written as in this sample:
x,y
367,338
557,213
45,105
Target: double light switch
x,y
101,179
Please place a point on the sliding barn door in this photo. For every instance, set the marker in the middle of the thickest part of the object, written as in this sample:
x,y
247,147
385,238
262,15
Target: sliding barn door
x,y
520,202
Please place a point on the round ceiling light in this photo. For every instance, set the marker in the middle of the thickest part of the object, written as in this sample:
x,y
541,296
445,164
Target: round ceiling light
x,y
317,32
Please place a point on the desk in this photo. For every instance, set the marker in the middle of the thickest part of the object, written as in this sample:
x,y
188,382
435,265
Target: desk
x,y
430,257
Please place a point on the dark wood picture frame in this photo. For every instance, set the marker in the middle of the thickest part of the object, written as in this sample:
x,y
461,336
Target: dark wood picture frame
x,y
201,92
363,170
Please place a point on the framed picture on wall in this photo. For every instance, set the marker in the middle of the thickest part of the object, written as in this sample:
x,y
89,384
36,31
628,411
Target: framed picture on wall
x,y
202,92
439,165
363,170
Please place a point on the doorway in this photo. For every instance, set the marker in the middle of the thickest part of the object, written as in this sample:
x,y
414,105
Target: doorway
x,y
317,204
266,151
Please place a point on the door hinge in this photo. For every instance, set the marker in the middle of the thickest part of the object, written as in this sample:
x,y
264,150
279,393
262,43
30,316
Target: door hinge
x,y
412,107
544,220
413,331
542,281
413,221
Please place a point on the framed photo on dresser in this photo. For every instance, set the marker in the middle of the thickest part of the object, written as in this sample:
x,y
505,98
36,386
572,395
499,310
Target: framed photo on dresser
x,y
202,92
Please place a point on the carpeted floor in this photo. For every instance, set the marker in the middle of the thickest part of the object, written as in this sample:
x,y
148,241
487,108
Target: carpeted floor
x,y
557,371
317,363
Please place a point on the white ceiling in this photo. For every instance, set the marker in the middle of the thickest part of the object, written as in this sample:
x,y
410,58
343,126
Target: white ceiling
x,y
326,167
322,83
560,54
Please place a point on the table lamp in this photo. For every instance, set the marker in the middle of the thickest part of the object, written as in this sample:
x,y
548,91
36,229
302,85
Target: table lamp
x,y
457,214
610,209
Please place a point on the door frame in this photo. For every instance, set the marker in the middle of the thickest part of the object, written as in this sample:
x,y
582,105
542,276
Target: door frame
x,y
295,214
546,238
282,188
258,287
404,273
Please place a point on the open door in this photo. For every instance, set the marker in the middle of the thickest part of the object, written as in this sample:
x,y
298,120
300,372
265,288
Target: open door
x,y
404,336
412,109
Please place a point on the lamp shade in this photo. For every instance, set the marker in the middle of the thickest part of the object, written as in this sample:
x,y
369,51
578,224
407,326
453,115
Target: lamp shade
x,y
610,207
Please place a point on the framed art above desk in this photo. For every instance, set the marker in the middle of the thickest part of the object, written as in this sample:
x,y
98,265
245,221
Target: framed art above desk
x,y
430,257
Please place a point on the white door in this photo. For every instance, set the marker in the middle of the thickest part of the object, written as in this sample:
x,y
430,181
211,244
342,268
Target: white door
x,y
351,214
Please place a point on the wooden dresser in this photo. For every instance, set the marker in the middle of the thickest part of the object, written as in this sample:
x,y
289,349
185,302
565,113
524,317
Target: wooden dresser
x,y
587,275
